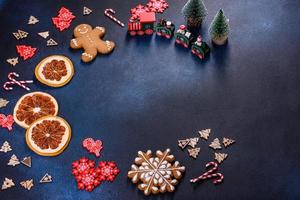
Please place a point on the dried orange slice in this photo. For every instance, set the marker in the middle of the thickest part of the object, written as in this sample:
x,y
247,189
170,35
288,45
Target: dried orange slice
x,y
55,71
48,136
33,106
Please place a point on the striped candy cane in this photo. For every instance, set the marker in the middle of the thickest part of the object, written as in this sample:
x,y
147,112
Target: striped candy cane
x,y
109,13
210,174
13,81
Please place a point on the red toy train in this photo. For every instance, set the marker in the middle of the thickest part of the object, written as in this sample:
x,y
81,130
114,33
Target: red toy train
x,y
145,25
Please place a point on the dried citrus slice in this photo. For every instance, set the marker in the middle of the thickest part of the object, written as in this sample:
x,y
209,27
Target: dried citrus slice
x,y
48,136
33,106
55,71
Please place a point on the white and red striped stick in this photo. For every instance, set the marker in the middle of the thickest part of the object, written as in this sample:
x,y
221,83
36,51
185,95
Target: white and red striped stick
x,y
13,81
209,174
109,13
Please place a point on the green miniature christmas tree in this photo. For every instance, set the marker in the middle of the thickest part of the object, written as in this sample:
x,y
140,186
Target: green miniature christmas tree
x,y
194,12
219,28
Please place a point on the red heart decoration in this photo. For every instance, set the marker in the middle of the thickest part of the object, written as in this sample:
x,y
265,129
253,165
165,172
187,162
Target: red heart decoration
x,y
6,121
93,146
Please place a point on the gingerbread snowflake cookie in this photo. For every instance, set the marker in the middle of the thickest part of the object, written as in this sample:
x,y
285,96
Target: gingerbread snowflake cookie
x,y
91,41
156,174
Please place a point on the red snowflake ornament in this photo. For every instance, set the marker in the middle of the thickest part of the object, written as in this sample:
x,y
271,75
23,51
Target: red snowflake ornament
x,y
158,6
93,146
86,175
108,171
65,14
6,121
136,12
26,52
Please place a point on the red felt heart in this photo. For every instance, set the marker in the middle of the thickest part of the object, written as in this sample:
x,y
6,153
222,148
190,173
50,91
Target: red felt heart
x,y
93,146
6,121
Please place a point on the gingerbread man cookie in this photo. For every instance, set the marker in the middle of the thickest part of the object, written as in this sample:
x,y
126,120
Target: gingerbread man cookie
x,y
91,41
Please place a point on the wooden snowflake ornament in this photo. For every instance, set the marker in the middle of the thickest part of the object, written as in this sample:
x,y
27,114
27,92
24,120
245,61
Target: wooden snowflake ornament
x,y
156,174
227,142
204,133
216,144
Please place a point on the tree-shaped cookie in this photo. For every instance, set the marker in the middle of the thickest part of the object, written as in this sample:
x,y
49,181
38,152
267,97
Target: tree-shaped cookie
x,y
156,174
90,40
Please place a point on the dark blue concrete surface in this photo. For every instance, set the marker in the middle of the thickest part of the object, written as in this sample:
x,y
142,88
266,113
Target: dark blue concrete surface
x,y
148,93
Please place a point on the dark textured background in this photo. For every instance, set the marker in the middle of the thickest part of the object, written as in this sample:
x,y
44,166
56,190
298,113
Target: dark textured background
x,y
148,93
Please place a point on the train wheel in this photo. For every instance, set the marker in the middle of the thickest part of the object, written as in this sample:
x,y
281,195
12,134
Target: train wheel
x,y
158,33
178,41
149,32
132,33
185,45
140,32
193,51
168,36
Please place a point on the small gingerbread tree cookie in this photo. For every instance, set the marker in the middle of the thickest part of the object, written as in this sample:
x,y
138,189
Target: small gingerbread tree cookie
x,y
91,41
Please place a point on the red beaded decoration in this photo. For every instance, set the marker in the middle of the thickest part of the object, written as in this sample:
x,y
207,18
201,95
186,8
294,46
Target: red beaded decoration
x,y
108,171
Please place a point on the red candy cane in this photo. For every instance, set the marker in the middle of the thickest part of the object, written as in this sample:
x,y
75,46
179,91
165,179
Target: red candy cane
x,y
210,174
13,81
109,13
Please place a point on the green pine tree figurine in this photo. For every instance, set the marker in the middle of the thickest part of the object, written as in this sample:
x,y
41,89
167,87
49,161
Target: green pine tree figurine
x,y
219,28
194,12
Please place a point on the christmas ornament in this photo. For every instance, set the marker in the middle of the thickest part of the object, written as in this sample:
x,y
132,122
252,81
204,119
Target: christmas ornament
x,y
6,121
108,171
137,11
194,152
87,177
51,42
13,161
20,34
227,141
93,146
12,81
210,174
156,174
5,147
86,11
194,12
191,142
215,144
13,61
158,6
26,161
3,102
44,34
7,183
204,133
28,184
32,20
219,28
26,52
46,178
109,13
220,157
